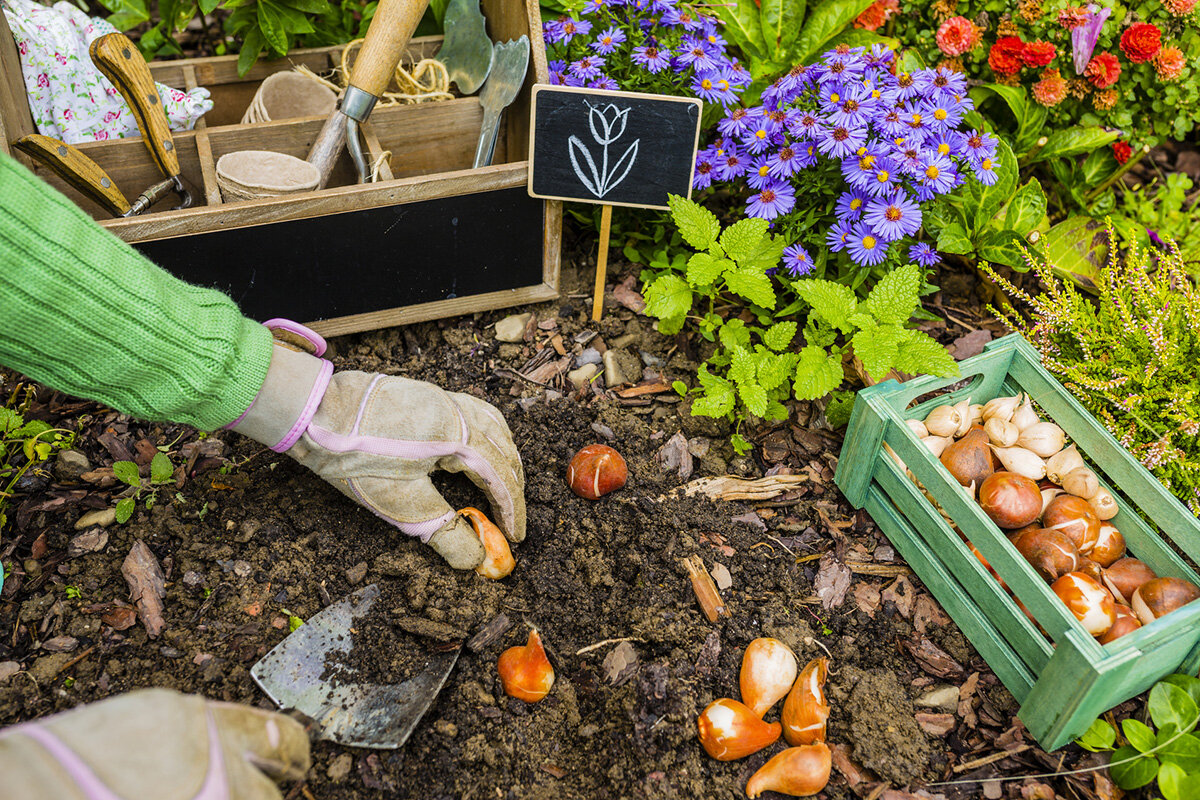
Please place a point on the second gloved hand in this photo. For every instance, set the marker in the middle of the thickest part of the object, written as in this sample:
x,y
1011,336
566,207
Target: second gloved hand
x,y
377,438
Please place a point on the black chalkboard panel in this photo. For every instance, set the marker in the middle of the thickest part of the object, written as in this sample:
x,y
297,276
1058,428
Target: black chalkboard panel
x,y
613,148
367,260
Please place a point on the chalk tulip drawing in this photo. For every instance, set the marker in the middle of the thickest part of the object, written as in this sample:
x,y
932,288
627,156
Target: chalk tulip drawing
x,y
607,126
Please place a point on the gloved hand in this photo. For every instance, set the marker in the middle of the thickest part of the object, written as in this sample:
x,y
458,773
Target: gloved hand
x,y
153,743
377,438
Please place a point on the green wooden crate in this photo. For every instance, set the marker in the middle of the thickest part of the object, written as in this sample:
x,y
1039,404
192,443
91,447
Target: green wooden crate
x,y
1062,684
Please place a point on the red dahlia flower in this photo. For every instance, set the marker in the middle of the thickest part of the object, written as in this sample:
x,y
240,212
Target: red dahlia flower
x,y
1005,55
957,35
1141,42
1038,54
1103,70
1122,151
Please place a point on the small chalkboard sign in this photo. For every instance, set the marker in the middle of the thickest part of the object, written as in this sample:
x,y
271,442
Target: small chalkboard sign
x,y
613,148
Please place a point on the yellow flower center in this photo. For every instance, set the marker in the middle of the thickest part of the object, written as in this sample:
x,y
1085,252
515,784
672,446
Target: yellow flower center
x,y
723,84
712,39
916,119
943,149
835,98
855,204
868,242
761,134
882,176
986,164
932,171
875,94
866,162
892,213
862,151
899,141
707,84
940,114
607,40
762,171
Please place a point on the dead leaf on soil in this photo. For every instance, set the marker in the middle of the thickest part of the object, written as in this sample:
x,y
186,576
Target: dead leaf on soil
x,y
145,578
845,764
970,344
928,614
933,659
832,583
935,724
902,594
966,696
721,576
731,487
675,457
718,541
866,597
626,295
620,664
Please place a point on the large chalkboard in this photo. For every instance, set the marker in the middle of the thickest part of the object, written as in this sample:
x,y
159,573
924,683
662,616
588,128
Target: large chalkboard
x,y
614,148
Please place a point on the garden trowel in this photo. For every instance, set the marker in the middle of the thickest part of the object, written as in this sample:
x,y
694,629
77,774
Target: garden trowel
x,y
466,51
354,714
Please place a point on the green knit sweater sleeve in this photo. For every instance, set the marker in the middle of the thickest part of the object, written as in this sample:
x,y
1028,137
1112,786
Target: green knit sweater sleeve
x,y
84,313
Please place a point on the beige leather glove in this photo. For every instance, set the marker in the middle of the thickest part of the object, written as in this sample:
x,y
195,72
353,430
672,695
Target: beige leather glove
x,y
153,743
377,438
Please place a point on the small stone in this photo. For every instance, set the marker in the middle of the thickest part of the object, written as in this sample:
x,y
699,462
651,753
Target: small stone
x,y
588,356
612,370
512,328
102,517
242,569
580,378
90,541
193,579
943,697
445,727
70,465
651,360
339,768
356,573
604,430
33,568
170,652
622,341
46,668
936,724
721,576
60,644
8,669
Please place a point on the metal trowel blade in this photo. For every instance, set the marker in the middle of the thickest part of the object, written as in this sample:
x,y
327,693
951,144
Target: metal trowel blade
x,y
466,49
354,714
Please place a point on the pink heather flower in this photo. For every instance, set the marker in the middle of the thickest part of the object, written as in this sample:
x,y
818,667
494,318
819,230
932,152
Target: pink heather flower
x,y
1169,63
1051,89
957,36
1179,8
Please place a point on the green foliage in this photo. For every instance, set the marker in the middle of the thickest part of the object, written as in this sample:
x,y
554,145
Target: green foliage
x,y
1129,355
990,223
25,444
1161,207
1167,753
725,292
162,472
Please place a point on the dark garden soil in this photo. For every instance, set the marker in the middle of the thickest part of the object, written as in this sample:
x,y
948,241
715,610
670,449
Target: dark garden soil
x,y
247,538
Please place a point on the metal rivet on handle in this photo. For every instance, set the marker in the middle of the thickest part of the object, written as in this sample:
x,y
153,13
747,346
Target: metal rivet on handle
x,y
168,146
62,150
125,52
105,182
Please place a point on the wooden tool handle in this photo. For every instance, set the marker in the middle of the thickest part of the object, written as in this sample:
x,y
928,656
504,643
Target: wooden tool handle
x,y
391,28
122,63
85,175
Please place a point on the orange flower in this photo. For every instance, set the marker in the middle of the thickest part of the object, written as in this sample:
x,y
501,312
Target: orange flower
x,y
956,36
1179,8
1104,99
1103,70
1169,63
1051,89
876,14
1141,42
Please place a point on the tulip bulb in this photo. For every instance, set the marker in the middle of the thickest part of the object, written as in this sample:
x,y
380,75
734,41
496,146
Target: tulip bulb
x,y
1001,432
918,428
1161,596
1110,545
1073,516
525,671
498,560
1090,602
798,771
1104,504
1021,461
1081,482
595,471
1127,622
1025,415
937,444
1001,408
965,416
943,421
976,413
1063,463
1050,553
1011,501
1048,496
1043,438
968,459
768,671
1125,576
729,730
805,710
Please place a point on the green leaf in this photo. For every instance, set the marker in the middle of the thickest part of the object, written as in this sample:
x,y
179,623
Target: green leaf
x,y
129,14
954,239
878,348
1170,705
125,508
734,334
766,255
780,335
294,622
754,397
1183,751
753,285
718,398
697,225
9,420
742,368
208,6
1075,141
1002,247
32,429
703,269
776,412
1077,249
1030,117
817,373
837,413
743,27
741,239
1097,166
271,23
781,22
895,296
1136,773
1170,780
252,47
983,202
826,21
127,472
307,6
774,369
829,301
740,445
668,297
680,388
1139,734
1100,736
920,354
161,468
1188,684
1027,208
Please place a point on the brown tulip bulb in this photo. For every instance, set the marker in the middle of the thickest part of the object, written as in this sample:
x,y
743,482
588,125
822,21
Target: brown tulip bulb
x,y
1161,596
525,671
969,459
1125,576
730,730
768,672
1011,500
595,471
1091,569
1014,535
798,771
1127,622
805,710
1050,553
1073,516
1110,545
498,559
1090,602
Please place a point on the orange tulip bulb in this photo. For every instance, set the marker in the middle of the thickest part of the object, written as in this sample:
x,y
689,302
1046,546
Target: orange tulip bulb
x,y
498,561
798,771
768,671
730,730
805,710
525,671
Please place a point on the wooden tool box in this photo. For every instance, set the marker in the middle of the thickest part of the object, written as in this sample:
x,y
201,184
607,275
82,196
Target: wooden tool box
x,y
433,238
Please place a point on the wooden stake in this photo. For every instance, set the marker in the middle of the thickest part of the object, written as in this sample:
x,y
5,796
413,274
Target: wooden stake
x,y
601,262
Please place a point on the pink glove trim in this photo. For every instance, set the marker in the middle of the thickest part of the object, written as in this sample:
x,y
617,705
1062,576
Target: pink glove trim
x,y
310,409
314,338
213,788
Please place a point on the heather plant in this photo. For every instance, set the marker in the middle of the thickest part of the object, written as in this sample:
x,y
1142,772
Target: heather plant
x,y
842,155
1129,355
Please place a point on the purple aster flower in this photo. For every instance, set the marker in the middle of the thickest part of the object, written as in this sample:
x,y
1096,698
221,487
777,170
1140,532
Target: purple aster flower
x,y
735,123
572,28
558,72
831,96
797,261
731,164
838,237
797,80
839,142
738,74
865,246
681,18
842,64
705,170
947,81
886,176
894,217
759,176
608,40
891,124
937,173
771,202
587,67
806,153
908,159
985,171
979,145
859,170
852,111
595,5
713,87
850,206
904,89
1083,38
774,95
805,123
785,162
693,53
603,82
714,40
654,59
924,255
552,31
942,115
759,137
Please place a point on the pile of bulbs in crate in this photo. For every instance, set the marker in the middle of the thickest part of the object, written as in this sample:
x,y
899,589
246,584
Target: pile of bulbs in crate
x,y
1054,511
